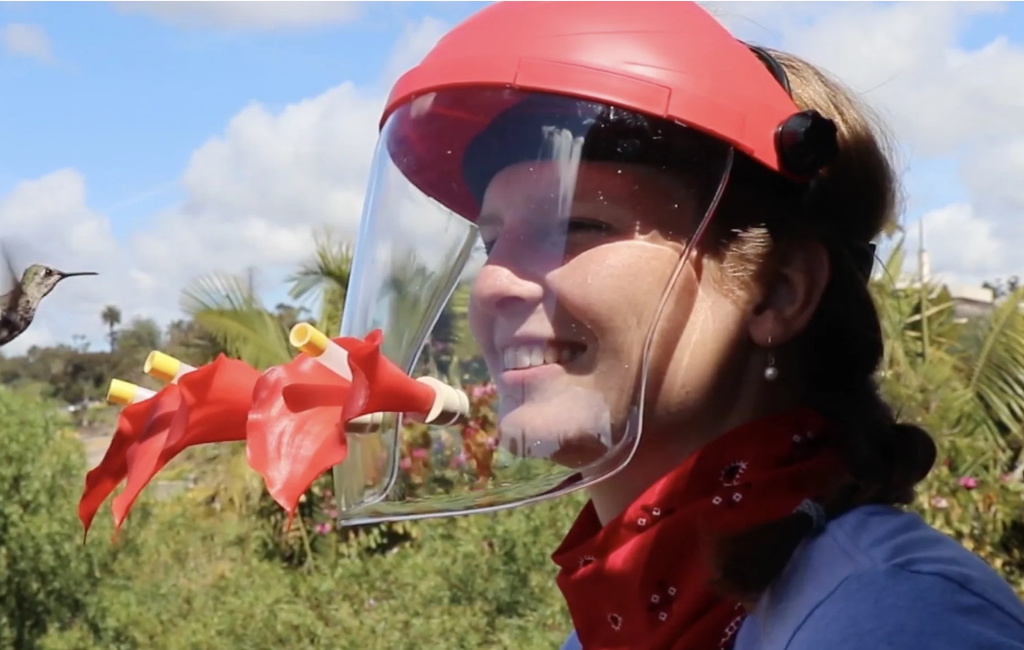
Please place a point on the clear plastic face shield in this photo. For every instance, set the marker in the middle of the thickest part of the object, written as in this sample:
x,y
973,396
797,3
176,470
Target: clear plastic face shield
x,y
532,250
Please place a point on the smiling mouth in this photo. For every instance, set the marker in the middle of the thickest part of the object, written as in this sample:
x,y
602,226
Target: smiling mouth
x,y
520,357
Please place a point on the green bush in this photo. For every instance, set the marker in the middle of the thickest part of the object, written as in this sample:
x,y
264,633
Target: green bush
x,y
190,578
46,577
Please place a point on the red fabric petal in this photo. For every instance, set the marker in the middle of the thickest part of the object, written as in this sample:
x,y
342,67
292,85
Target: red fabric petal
x,y
218,397
143,455
378,385
207,405
211,404
103,479
295,427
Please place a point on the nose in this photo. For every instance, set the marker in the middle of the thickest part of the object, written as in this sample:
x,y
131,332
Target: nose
x,y
503,290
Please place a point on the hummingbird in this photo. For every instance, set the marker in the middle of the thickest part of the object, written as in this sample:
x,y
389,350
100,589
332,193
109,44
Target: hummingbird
x,y
18,306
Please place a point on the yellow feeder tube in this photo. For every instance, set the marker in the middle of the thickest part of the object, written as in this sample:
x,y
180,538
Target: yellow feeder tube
x,y
164,367
124,393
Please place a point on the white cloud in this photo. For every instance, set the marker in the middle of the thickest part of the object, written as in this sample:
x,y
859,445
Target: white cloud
x,y
256,192
249,16
942,101
25,40
962,246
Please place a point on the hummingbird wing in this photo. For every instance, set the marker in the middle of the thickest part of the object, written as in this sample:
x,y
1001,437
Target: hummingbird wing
x,y
10,284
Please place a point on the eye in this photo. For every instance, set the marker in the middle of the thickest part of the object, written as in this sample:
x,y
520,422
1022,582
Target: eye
x,y
565,234
581,225
582,233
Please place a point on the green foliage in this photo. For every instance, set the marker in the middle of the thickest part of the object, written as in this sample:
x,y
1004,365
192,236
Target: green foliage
x,y
46,577
228,307
323,279
188,577
196,572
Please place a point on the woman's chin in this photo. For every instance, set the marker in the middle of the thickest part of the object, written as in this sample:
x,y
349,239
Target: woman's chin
x,y
571,427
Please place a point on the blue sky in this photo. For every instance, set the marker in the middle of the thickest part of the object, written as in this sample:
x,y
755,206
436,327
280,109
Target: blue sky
x,y
130,96
126,128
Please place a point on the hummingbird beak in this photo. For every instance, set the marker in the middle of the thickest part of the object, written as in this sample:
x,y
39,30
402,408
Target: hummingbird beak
x,y
71,275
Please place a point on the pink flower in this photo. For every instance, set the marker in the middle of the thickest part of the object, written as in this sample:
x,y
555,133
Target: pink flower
x,y
419,453
482,391
322,529
968,482
458,460
405,463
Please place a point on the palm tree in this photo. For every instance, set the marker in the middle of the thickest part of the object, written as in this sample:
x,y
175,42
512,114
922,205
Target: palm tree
x,y
324,278
979,365
227,307
111,317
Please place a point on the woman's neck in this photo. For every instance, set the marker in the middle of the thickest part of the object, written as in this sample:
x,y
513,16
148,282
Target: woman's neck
x,y
661,450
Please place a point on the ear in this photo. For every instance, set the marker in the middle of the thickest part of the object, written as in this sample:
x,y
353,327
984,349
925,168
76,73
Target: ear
x,y
792,293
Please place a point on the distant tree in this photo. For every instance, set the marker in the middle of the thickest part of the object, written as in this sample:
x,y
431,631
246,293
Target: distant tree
x,y
111,317
290,315
140,337
1001,288
191,343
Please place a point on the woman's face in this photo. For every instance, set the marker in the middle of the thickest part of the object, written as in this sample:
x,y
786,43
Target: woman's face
x,y
564,304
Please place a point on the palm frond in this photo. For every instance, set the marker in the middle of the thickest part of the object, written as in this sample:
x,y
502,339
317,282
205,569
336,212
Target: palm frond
x,y
323,279
227,307
994,356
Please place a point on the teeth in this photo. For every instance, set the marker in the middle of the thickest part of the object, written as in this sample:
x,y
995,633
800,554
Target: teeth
x,y
527,356
536,356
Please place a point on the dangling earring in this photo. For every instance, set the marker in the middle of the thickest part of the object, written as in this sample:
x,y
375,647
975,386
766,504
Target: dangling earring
x,y
771,373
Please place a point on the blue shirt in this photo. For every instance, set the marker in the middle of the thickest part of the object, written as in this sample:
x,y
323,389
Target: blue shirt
x,y
878,578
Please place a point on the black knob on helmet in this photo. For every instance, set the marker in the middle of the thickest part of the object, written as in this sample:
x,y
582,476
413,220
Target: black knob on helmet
x,y
806,143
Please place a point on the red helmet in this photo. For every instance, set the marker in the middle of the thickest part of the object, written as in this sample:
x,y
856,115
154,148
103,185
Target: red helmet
x,y
668,60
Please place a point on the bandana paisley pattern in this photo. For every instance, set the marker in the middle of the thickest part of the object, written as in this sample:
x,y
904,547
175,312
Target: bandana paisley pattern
x,y
643,580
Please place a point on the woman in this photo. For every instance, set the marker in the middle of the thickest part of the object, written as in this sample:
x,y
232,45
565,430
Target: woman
x,y
671,298
667,234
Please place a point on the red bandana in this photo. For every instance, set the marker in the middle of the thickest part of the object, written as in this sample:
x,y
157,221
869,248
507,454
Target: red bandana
x,y
642,581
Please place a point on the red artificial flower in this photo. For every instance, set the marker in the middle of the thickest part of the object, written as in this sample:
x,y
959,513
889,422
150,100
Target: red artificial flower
x,y
142,457
207,405
296,428
292,418
102,480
